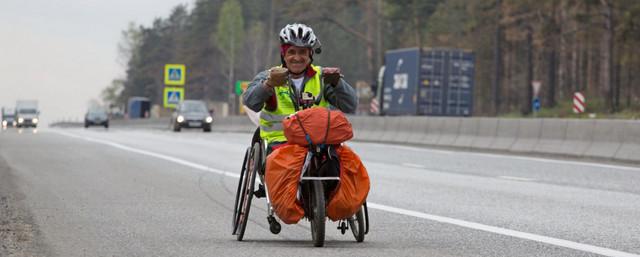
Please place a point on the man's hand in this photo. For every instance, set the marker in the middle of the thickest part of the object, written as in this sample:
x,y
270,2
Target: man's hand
x,y
278,76
331,75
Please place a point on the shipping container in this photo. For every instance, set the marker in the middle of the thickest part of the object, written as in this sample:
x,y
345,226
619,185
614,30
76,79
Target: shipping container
x,y
400,79
138,107
442,82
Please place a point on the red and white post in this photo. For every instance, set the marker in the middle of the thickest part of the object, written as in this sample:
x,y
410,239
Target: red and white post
x,y
578,102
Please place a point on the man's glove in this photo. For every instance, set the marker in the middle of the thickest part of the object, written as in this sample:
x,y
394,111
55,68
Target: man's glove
x,y
278,76
331,76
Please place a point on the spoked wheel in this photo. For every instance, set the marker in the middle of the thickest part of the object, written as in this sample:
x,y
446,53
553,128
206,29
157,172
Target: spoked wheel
x,y
238,204
318,212
253,164
356,224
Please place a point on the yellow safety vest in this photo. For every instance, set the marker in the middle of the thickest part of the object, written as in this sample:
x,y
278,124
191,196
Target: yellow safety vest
x,y
271,128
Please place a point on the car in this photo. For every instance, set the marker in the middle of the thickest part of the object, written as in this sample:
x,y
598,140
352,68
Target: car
x,y
191,114
8,118
27,113
8,121
96,117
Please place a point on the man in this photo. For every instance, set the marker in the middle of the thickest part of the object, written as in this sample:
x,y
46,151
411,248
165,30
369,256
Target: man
x,y
277,93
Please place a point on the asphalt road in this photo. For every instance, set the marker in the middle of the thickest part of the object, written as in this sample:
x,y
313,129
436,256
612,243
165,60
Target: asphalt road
x,y
96,192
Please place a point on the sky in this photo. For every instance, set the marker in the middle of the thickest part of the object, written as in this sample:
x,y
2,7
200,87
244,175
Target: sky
x,y
64,52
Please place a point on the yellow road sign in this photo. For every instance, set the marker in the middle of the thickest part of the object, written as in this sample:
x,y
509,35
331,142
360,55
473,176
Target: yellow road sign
x,y
172,96
174,74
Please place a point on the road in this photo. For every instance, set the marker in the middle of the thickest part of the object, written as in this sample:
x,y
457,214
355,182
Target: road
x,y
96,192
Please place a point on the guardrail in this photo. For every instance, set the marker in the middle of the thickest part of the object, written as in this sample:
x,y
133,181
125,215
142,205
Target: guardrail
x,y
600,139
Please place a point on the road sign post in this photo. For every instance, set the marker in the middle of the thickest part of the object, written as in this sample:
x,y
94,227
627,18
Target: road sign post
x,y
536,106
535,103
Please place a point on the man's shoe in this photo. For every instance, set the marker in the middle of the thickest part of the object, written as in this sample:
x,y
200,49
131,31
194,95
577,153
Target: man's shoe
x,y
260,192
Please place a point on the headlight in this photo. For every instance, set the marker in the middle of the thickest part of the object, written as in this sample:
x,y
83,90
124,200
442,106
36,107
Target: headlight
x,y
209,119
4,123
35,120
180,118
20,120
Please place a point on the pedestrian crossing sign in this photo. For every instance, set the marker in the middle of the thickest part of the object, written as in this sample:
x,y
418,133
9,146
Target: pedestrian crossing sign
x,y
174,74
173,96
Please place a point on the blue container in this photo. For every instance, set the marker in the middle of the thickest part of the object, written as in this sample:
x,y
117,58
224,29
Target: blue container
x,y
447,82
440,84
138,107
400,79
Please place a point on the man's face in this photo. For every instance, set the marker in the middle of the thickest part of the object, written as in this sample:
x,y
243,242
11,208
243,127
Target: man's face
x,y
297,59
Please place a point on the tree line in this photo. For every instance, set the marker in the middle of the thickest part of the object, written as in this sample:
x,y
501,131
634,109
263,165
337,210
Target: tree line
x,y
567,45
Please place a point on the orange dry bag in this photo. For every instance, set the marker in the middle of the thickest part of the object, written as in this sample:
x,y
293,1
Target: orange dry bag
x,y
284,166
321,125
353,187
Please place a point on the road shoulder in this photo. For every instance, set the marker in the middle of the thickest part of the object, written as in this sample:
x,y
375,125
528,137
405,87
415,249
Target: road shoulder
x,y
19,235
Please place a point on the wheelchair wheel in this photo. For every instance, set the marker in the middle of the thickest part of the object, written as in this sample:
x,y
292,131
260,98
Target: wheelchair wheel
x,y
357,225
237,204
254,163
318,211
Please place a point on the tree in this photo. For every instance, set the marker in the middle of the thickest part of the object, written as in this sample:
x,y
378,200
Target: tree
x,y
111,95
228,36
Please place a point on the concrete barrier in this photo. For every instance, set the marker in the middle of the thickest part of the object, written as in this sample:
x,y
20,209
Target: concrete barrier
x,y
578,137
506,134
630,148
434,130
359,128
602,139
418,130
606,139
404,129
449,131
391,127
487,128
377,129
467,133
552,136
528,135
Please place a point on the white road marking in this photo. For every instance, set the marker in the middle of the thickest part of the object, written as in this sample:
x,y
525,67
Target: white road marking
x,y
452,221
153,154
413,165
507,156
516,178
506,232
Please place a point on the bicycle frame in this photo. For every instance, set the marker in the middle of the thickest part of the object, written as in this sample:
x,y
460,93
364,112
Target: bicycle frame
x,y
310,172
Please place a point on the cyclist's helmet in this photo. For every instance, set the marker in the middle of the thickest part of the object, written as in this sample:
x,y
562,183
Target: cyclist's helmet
x,y
300,35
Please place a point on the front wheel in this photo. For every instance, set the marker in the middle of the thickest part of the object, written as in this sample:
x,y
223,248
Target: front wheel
x,y
356,224
318,211
238,203
252,167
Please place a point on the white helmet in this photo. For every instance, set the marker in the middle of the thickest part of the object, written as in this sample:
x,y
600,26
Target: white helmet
x,y
300,35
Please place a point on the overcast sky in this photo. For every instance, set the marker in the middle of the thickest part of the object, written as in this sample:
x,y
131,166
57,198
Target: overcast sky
x,y
64,52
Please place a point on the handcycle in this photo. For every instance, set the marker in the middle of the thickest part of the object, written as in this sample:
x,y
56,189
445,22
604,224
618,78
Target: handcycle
x,y
316,183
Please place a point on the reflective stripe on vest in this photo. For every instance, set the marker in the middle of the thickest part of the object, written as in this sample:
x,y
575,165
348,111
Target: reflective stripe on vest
x,y
271,128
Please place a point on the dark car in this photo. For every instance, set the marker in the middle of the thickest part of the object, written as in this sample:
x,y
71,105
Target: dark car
x,y
191,114
8,118
96,117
